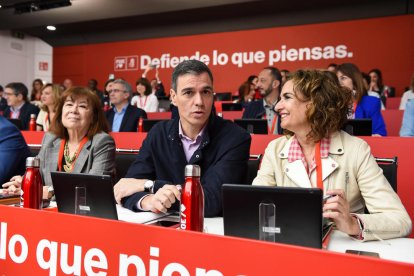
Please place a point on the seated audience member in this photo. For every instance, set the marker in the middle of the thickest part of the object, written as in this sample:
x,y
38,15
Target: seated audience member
x,y
407,126
198,137
145,99
332,67
67,83
408,95
107,88
3,101
253,79
157,88
50,98
77,141
364,106
269,87
13,151
18,106
285,74
123,117
246,93
377,84
36,93
316,153
93,86
366,79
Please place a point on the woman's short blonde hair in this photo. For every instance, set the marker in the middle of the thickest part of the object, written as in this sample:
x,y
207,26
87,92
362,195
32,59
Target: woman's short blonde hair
x,y
329,103
57,94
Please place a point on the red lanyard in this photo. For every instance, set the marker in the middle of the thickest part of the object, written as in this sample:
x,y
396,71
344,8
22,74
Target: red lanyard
x,y
46,123
318,161
271,130
140,102
62,149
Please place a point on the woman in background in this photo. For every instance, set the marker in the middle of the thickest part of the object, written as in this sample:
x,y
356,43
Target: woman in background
x,y
145,99
50,98
36,93
246,93
363,106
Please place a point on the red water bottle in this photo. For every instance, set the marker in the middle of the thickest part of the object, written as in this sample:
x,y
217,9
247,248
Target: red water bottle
x,y
192,201
32,185
32,123
140,123
106,107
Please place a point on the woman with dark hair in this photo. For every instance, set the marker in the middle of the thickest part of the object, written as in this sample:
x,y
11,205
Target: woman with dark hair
x,y
51,94
36,93
316,153
77,141
107,88
145,99
377,84
364,106
246,93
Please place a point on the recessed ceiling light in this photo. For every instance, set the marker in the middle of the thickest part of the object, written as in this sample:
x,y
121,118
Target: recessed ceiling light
x,y
51,28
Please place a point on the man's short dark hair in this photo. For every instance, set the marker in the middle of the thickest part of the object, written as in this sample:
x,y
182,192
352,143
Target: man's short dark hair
x,y
275,73
18,88
1,88
193,67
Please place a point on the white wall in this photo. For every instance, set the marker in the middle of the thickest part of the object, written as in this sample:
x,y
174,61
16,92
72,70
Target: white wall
x,y
20,58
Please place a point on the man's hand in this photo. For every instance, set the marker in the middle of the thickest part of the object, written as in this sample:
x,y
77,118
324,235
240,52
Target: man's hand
x,y
13,186
163,199
128,186
337,208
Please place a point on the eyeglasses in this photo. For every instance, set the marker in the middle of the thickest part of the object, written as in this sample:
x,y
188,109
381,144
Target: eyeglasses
x,y
8,94
116,91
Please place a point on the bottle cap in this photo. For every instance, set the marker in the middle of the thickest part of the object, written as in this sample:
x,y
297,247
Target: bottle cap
x,y
32,162
32,116
192,170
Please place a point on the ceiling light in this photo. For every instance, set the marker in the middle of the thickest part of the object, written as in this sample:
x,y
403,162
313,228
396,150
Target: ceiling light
x,y
51,28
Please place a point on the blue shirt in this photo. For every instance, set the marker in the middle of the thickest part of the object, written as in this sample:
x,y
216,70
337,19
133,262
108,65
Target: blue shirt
x,y
407,127
116,125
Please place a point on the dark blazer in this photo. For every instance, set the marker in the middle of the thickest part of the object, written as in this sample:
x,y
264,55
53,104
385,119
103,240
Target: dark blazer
x,y
256,110
370,108
222,156
129,121
24,115
3,104
13,151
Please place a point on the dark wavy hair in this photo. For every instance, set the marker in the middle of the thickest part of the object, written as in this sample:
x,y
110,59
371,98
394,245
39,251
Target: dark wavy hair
x,y
329,103
145,82
352,71
98,120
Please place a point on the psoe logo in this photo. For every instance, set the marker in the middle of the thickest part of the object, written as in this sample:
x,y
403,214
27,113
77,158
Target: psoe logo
x,y
126,63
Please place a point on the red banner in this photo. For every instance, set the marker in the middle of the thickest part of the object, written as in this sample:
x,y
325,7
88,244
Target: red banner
x,y
371,43
34,242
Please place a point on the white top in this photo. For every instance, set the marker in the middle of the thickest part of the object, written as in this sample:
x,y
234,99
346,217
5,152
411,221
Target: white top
x,y
43,120
148,103
408,95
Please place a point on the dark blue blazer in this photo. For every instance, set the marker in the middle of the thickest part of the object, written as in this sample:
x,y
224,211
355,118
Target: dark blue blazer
x,y
24,115
370,108
256,110
13,151
3,104
129,121
222,156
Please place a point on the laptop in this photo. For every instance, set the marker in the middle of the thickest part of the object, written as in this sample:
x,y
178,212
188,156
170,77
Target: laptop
x,y
358,127
278,214
95,194
231,107
256,126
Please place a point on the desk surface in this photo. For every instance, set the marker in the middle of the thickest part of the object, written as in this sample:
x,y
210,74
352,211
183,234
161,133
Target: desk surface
x,y
401,249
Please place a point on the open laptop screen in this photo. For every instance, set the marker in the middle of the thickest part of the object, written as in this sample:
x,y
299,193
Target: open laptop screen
x,y
85,194
279,214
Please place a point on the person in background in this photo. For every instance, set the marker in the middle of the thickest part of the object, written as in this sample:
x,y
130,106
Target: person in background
x,y
67,83
93,86
363,106
107,88
408,95
157,88
254,79
77,142
18,107
407,126
51,94
145,99
197,137
13,151
269,86
332,67
123,117
377,84
246,93
36,93
316,153
367,80
285,74
3,101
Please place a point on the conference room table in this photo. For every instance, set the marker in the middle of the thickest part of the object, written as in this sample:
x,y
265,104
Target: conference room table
x,y
401,249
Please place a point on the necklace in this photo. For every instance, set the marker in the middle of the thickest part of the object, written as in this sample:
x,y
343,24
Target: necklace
x,y
69,160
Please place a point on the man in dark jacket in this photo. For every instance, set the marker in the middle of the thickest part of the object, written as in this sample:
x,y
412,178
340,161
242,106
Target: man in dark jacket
x,y
123,117
18,107
199,137
269,85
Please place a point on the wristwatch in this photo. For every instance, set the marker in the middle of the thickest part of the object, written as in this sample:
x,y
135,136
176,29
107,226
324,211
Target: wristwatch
x,y
149,186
